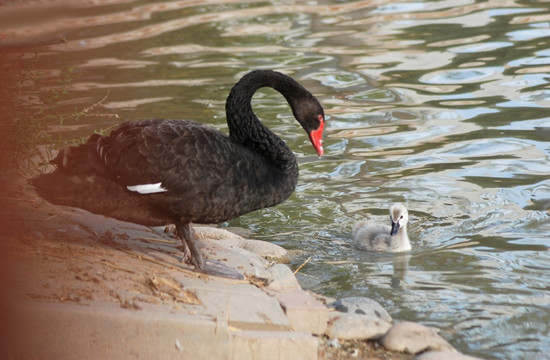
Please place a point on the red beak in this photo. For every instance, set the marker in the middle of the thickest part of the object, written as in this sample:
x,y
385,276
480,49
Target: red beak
x,y
316,137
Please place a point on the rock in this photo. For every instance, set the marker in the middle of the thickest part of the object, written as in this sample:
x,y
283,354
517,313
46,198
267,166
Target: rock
x,y
443,355
242,232
244,261
414,338
358,318
282,278
361,306
263,248
351,326
304,312
208,232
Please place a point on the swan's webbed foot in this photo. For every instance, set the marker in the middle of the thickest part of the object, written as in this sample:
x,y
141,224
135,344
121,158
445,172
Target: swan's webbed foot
x,y
191,251
216,268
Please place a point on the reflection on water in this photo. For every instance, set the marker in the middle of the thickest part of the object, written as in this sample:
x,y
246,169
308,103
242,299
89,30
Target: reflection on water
x,y
441,105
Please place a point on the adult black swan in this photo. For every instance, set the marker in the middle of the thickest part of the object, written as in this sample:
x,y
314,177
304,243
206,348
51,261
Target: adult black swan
x,y
158,172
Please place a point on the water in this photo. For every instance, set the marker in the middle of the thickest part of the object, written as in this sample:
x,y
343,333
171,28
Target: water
x,y
441,105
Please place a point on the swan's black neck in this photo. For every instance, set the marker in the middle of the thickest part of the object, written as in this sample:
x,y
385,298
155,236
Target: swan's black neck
x,y
244,126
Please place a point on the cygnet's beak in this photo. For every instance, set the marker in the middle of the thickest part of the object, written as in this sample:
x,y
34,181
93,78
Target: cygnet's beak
x,y
394,228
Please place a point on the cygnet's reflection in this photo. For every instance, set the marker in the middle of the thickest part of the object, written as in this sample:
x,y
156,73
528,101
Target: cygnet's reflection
x,y
400,264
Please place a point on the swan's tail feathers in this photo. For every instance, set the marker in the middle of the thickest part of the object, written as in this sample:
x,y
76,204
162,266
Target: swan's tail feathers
x,y
78,171
80,159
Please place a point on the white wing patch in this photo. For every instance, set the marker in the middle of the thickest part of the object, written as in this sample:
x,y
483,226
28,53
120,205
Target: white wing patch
x,y
147,188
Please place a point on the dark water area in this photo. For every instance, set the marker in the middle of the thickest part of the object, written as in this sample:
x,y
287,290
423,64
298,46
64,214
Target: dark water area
x,y
440,105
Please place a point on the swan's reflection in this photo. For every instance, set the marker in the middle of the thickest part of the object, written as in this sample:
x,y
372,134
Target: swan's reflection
x,y
400,269
400,264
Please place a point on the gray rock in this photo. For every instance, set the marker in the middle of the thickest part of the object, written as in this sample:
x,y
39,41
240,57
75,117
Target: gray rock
x,y
443,355
244,261
350,326
361,306
208,232
242,232
263,248
282,278
414,338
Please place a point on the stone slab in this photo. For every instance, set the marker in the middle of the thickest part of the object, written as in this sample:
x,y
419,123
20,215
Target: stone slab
x,y
231,255
65,331
246,310
281,278
262,248
273,345
304,313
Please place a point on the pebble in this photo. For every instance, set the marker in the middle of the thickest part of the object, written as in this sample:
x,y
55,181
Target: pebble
x,y
361,306
334,343
351,326
414,338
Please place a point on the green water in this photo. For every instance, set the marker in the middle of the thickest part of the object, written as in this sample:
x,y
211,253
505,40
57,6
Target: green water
x,y
441,105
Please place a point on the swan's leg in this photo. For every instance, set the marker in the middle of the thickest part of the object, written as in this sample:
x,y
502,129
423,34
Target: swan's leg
x,y
209,267
190,248
186,252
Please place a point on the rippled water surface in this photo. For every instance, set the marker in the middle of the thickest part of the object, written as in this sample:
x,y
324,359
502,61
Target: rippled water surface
x,y
441,105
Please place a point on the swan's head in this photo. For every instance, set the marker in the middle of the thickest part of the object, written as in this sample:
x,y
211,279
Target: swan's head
x,y
305,106
309,113
398,217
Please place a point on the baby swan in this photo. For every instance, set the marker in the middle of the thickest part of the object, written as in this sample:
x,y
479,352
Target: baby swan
x,y
373,237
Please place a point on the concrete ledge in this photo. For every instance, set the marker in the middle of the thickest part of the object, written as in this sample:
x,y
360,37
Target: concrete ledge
x,y
239,305
304,313
64,331
273,345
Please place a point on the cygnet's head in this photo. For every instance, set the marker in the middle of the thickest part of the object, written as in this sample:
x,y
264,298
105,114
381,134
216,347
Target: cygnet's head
x,y
398,217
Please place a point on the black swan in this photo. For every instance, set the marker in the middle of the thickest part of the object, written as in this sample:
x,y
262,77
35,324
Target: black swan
x,y
159,171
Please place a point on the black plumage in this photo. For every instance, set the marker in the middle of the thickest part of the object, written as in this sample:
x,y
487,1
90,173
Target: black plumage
x,y
160,171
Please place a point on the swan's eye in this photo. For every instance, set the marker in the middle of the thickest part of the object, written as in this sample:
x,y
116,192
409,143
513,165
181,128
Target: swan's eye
x,y
320,118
